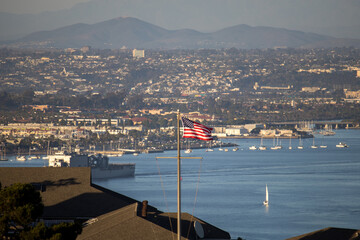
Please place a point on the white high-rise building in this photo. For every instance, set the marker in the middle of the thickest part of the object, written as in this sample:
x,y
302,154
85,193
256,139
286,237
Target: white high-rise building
x,y
138,53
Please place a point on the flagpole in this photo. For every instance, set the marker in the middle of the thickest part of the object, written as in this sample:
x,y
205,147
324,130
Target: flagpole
x,y
179,176
178,179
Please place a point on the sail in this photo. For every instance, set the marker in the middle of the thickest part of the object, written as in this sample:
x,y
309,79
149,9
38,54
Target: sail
x,y
266,194
266,202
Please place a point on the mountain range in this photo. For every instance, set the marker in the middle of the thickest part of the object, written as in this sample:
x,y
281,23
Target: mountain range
x,y
131,32
329,17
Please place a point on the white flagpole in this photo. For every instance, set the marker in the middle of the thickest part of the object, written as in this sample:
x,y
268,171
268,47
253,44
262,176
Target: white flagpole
x,y
178,179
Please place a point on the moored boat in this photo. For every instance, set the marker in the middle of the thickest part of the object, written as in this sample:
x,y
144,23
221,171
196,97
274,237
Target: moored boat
x,y
253,147
21,158
188,150
342,145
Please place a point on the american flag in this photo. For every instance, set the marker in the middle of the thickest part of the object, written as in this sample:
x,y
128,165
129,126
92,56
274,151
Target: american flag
x,y
196,130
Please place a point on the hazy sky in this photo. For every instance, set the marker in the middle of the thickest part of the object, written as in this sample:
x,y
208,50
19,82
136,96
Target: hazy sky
x,y
36,6
339,18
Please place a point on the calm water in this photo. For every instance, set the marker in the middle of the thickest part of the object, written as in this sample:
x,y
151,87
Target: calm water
x,y
309,189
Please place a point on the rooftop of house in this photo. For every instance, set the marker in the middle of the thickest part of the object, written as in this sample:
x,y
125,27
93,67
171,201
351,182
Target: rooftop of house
x,y
68,193
330,234
129,223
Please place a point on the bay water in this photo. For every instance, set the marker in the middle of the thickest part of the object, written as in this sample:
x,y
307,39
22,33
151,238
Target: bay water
x,y
309,189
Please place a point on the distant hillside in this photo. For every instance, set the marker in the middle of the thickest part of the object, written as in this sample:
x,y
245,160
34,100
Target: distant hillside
x,y
134,33
329,17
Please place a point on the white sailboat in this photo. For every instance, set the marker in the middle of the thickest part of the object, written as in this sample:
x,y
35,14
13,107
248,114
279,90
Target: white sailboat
x,y
314,146
300,144
274,147
266,202
278,146
221,149
209,149
188,150
322,143
262,147
290,147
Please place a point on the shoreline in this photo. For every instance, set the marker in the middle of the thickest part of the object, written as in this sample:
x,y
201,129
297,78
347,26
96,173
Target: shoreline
x,y
264,137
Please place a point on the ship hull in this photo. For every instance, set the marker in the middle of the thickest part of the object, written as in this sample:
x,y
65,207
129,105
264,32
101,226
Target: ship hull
x,y
114,171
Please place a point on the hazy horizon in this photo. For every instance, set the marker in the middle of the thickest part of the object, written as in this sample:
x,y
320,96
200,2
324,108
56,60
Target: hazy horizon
x,y
329,17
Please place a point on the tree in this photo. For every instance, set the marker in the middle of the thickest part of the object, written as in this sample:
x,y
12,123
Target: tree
x,y
20,206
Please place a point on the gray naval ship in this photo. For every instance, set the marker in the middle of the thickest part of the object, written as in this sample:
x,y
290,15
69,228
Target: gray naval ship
x,y
100,166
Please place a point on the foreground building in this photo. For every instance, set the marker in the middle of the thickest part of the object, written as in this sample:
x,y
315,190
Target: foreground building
x,y
69,195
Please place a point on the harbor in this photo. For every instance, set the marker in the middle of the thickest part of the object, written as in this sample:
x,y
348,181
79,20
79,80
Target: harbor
x,y
299,181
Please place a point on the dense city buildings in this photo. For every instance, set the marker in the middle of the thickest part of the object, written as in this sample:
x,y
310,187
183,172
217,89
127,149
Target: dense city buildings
x,y
79,94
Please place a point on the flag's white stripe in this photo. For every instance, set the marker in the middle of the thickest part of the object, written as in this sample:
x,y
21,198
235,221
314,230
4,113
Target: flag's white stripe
x,y
197,131
193,133
201,138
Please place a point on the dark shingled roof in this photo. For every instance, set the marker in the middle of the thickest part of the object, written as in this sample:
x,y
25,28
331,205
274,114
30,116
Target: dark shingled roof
x,y
66,192
127,224
330,234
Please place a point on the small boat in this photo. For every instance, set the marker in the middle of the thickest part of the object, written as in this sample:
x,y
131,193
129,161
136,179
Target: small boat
x,y
226,150
188,150
266,202
262,147
277,146
21,158
322,143
235,149
300,144
136,154
290,147
342,145
221,149
314,146
328,131
209,149
253,147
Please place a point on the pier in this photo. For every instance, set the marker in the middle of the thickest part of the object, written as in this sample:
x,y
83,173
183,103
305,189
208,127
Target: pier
x,y
318,124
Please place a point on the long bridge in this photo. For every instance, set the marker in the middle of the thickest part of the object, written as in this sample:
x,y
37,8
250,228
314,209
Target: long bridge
x,y
317,124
